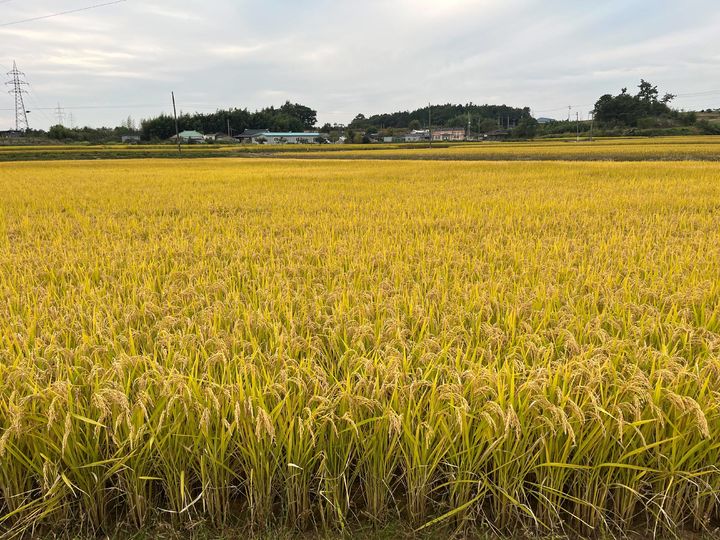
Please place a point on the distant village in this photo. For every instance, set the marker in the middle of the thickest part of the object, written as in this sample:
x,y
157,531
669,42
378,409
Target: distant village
x,y
643,114
265,136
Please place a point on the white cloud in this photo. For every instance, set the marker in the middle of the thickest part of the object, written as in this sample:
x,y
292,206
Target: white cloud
x,y
149,9
235,51
347,57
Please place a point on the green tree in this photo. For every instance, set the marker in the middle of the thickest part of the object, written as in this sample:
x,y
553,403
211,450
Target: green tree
x,y
305,115
60,133
526,128
457,121
626,110
648,92
486,125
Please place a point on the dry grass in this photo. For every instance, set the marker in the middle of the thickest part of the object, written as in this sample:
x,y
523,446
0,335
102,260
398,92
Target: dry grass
x,y
506,346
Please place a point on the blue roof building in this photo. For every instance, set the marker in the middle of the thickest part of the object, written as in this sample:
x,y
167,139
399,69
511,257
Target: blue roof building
x,y
280,137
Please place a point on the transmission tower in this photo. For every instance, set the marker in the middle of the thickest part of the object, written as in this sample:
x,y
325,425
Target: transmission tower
x,y
60,114
17,83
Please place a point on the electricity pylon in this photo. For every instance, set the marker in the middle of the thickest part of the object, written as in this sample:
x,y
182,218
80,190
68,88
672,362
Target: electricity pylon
x,y
17,83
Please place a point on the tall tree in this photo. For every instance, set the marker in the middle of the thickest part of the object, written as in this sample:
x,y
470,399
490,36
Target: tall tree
x,y
648,92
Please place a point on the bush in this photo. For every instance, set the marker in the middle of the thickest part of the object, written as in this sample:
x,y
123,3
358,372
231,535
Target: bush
x,y
708,128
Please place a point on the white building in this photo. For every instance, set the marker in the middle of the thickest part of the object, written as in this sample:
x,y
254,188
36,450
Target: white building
x,y
417,135
448,134
273,137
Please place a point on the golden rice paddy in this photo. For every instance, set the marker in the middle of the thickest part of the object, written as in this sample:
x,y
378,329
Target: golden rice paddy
x,y
686,148
317,344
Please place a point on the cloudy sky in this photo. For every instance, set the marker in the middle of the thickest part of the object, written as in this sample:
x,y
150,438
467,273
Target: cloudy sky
x,y
343,57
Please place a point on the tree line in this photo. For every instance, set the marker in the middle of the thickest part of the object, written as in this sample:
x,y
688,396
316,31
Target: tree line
x,y
288,117
482,118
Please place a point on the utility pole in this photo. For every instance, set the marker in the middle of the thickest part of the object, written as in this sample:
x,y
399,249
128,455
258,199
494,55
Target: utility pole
x,y
592,124
577,124
229,130
60,114
17,83
430,124
467,137
177,131
569,110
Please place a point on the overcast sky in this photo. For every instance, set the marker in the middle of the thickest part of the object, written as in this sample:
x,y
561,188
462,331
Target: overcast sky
x,y
344,57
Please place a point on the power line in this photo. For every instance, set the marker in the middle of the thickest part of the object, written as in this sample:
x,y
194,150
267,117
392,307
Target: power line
x,y
129,106
550,110
700,93
564,108
68,12
198,106
689,95
33,97
694,94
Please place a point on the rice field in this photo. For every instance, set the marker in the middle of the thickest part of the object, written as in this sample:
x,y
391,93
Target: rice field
x,y
315,345
686,148
705,148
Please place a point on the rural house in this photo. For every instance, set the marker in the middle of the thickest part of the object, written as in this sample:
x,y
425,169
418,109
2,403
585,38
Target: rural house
x,y
190,137
247,135
417,135
272,137
448,134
